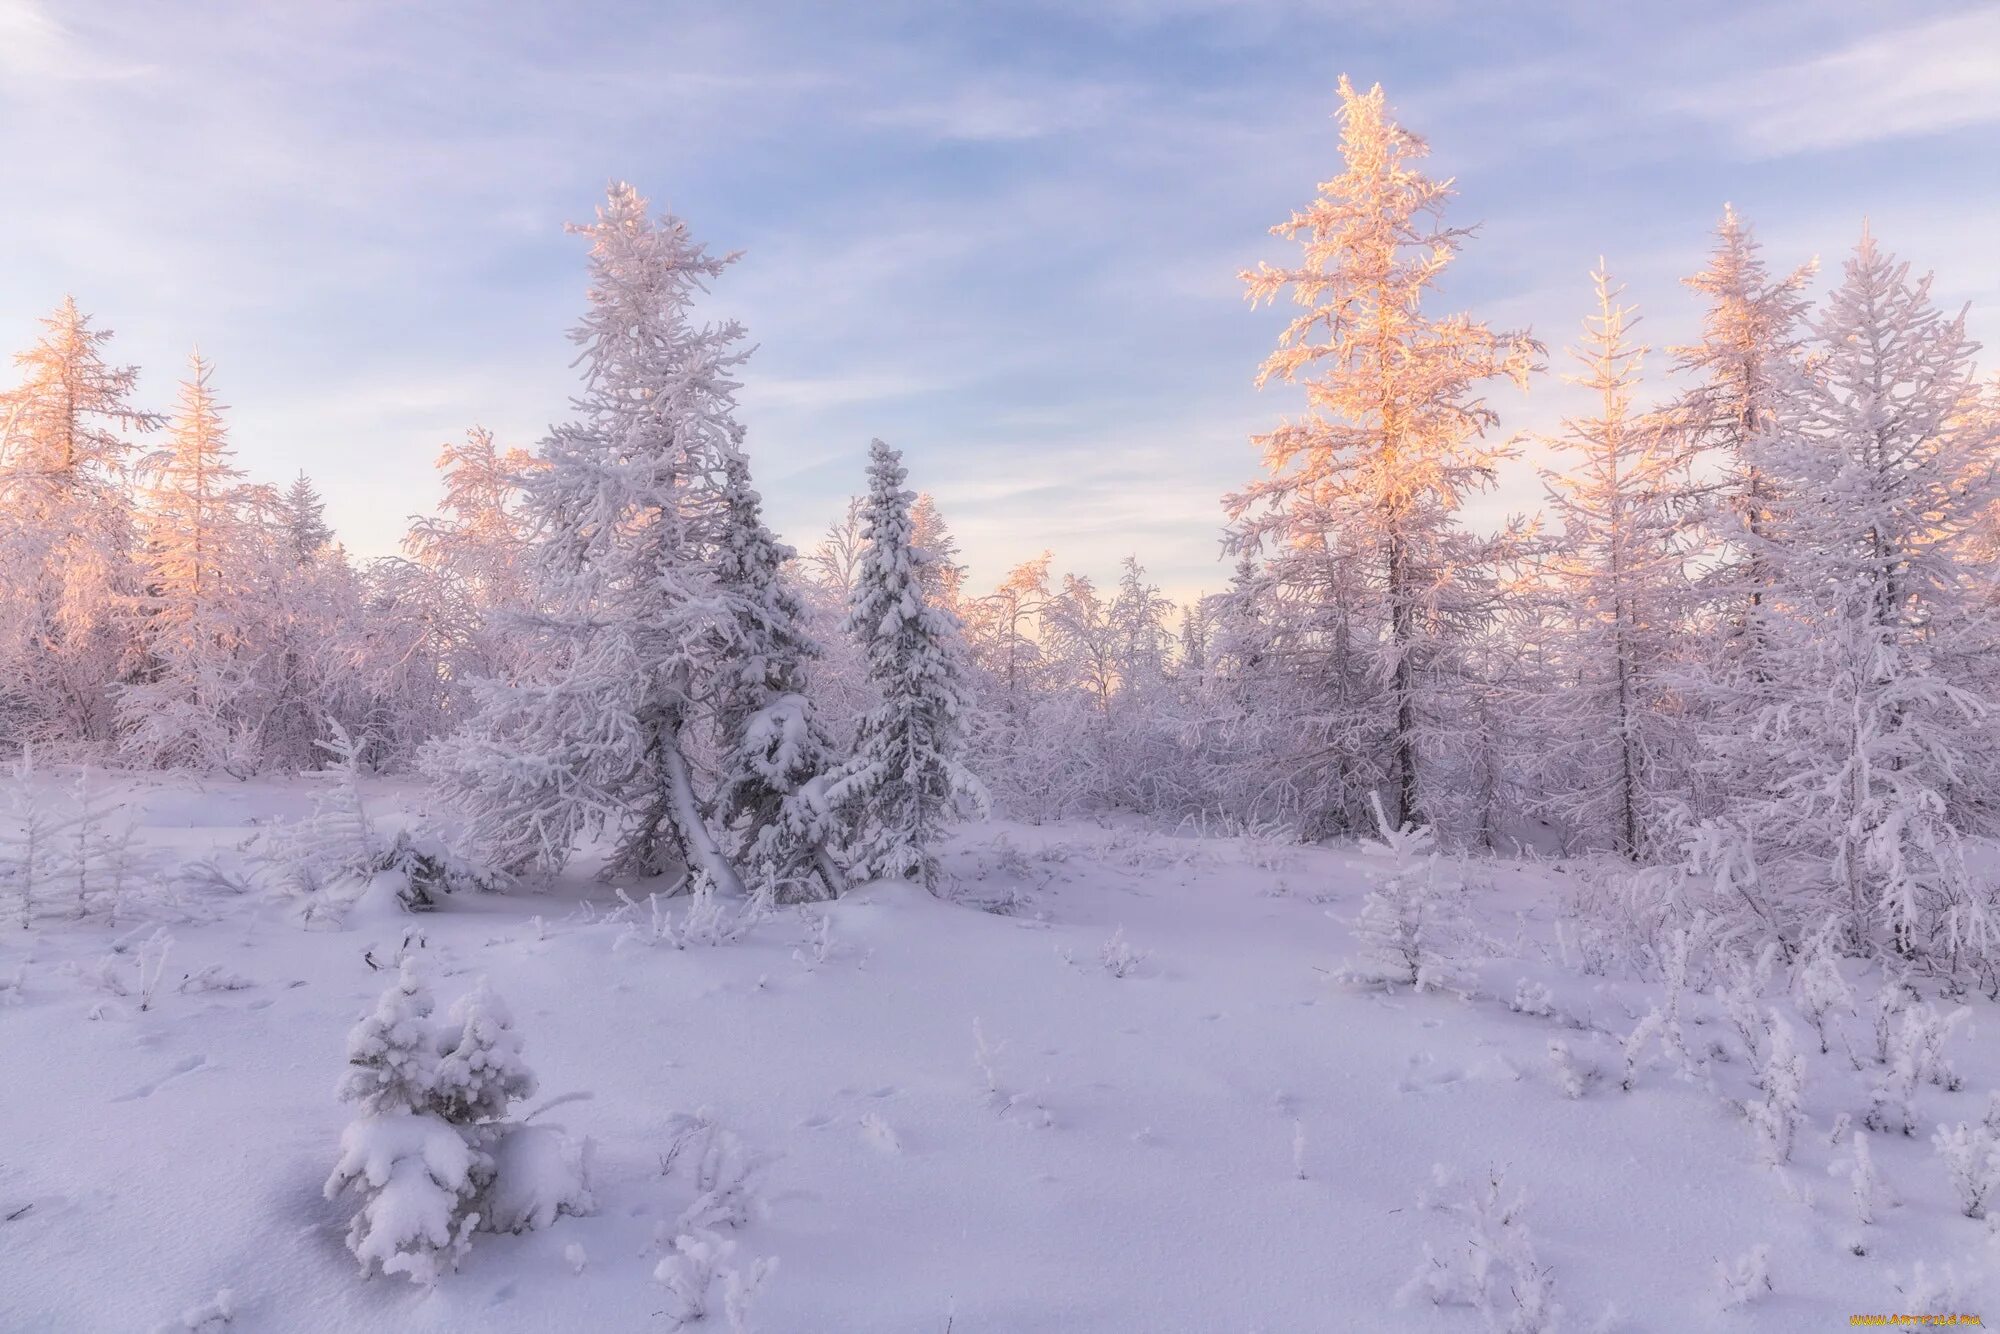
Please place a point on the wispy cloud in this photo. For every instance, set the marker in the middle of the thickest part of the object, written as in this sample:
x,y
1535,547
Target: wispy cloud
x,y
1929,77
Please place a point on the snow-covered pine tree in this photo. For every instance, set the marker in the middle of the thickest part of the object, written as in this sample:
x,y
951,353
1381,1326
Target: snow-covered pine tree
x,y
1360,509
1880,632
197,700
418,1177
625,507
66,575
1612,743
774,755
480,1071
905,778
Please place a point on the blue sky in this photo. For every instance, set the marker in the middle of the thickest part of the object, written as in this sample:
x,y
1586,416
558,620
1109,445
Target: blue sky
x,y
1003,236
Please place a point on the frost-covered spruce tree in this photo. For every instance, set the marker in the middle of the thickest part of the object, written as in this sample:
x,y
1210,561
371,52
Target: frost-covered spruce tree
x,y
67,580
625,508
302,525
418,1177
904,779
197,700
1880,635
1611,741
1359,514
480,1071
774,754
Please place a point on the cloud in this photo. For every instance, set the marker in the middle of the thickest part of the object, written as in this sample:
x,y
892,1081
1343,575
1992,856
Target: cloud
x,y
1933,77
35,51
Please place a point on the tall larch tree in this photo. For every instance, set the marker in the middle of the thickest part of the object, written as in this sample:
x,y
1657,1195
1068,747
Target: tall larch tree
x,y
1613,744
946,577
626,511
198,700
1847,783
905,778
66,573
1742,366
1392,440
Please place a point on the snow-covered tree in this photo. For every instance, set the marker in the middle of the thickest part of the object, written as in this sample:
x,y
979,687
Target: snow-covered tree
x,y
1144,644
1360,510
1611,740
302,519
774,754
1003,630
67,581
944,577
1082,642
198,698
905,778
625,506
1745,360
1846,786
838,555
480,1071
475,552
430,1152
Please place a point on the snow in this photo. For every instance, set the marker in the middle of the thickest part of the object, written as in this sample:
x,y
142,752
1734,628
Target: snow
x,y
934,1116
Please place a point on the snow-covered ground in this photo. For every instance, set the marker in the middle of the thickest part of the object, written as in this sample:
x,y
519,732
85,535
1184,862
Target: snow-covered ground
x,y
1135,1094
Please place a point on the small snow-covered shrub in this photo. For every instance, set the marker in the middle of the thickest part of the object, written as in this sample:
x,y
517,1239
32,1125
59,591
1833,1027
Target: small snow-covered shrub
x,y
1494,1269
1741,1003
1864,1185
152,961
1570,1077
1532,998
986,1057
1118,956
213,977
431,1154
70,849
419,1185
706,920
338,845
479,1071
817,944
1744,1280
1930,1291
700,1264
1914,1052
1818,989
727,1177
1971,1155
419,1179
1412,927
1775,1118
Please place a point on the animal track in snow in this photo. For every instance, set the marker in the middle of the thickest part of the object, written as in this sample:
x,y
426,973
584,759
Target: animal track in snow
x,y
186,1066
